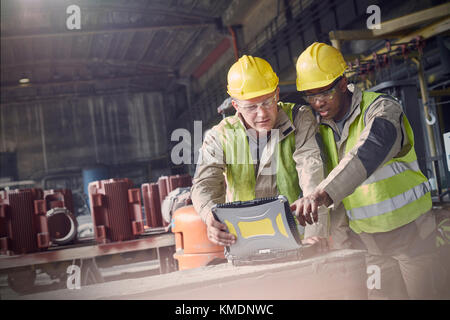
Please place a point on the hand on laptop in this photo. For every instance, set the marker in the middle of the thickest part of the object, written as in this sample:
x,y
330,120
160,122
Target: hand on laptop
x,y
217,232
306,208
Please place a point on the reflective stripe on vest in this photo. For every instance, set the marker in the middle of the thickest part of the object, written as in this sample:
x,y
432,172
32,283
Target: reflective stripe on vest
x,y
394,195
386,206
240,169
390,170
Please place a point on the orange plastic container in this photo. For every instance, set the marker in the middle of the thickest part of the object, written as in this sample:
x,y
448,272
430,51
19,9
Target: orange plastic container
x,y
195,260
192,244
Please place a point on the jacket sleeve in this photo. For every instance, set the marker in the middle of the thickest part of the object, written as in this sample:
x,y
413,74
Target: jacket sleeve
x,y
208,186
309,164
382,139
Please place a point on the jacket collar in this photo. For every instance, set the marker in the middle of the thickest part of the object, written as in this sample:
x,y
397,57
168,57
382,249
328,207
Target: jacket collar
x,y
282,123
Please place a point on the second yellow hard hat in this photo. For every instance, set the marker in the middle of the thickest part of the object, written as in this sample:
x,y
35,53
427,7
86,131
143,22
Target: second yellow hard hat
x,y
251,77
318,66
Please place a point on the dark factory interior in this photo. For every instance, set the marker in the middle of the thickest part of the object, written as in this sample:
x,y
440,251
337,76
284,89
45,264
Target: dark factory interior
x,y
126,90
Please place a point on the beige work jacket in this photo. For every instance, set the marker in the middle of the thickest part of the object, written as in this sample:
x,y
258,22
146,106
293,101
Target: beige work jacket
x,y
209,184
351,170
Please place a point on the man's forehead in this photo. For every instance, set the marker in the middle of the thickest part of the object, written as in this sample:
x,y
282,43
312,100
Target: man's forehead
x,y
256,99
325,88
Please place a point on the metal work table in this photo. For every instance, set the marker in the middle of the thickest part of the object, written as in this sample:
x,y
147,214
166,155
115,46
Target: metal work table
x,y
85,253
86,249
339,274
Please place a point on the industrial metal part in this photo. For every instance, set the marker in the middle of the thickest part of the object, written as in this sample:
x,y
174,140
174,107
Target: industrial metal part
x,y
63,226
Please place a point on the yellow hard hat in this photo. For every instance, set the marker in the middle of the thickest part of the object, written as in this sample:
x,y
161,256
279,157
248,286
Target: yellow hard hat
x,y
318,66
251,77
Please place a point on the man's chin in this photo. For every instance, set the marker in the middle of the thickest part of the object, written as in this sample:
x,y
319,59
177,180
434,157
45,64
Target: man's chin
x,y
263,129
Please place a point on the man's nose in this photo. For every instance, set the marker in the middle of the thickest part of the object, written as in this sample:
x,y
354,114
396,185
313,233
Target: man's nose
x,y
318,103
261,111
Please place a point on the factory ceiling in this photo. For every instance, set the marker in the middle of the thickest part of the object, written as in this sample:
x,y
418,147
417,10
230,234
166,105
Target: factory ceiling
x,y
118,45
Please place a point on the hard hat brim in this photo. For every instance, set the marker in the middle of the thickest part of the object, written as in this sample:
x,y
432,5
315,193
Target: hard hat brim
x,y
316,84
252,95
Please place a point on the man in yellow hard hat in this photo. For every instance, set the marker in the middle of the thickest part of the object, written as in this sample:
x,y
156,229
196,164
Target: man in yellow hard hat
x,y
380,199
266,149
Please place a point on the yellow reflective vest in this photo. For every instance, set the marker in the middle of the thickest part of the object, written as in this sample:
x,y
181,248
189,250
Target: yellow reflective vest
x,y
395,194
240,168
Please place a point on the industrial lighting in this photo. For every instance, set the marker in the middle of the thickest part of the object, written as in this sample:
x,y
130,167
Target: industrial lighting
x,y
24,81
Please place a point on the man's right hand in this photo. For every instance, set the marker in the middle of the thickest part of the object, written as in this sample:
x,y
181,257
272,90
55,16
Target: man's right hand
x,y
217,232
307,208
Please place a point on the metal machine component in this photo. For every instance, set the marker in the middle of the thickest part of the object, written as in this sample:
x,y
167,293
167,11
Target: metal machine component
x,y
154,195
61,220
23,222
152,204
62,226
116,210
163,186
59,198
179,181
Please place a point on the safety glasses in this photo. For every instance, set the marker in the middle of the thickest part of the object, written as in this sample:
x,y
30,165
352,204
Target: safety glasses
x,y
324,95
252,108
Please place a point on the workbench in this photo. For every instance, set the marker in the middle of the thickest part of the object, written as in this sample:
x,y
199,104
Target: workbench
x,y
339,274
87,254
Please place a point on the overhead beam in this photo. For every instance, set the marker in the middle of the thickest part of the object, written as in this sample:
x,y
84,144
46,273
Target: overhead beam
x,y
23,100
153,11
439,93
220,49
176,12
393,28
71,33
76,82
80,62
163,46
190,45
413,19
347,35
430,31
148,42
436,28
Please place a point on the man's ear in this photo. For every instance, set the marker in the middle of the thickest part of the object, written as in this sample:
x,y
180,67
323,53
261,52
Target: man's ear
x,y
343,84
234,104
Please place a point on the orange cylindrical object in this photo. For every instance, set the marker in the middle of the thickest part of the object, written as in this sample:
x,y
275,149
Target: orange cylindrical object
x,y
195,260
192,244
193,231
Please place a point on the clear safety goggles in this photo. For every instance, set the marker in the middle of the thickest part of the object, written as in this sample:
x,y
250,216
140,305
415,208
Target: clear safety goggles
x,y
252,108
